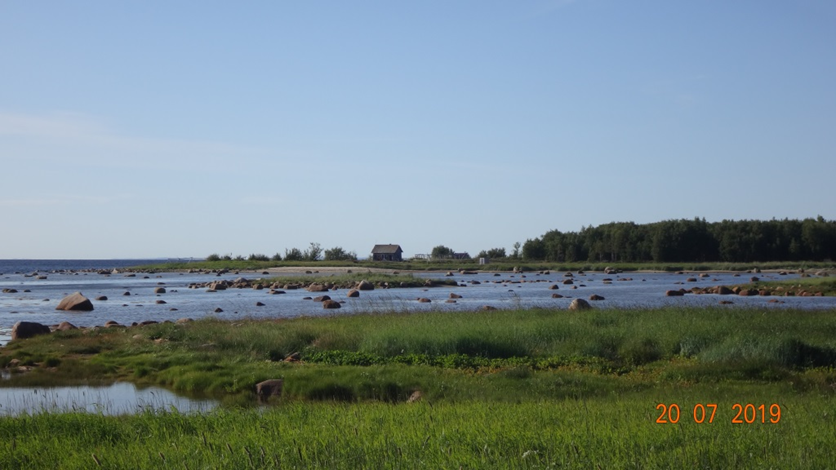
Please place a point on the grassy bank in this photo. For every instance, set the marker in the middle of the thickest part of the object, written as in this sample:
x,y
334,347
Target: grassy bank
x,y
805,286
608,432
448,356
501,389
350,280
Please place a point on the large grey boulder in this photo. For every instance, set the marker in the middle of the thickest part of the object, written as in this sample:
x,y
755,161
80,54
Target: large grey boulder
x,y
365,285
27,329
76,302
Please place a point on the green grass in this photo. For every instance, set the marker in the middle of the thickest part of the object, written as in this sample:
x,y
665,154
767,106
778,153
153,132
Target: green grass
x,y
501,389
812,285
350,280
615,431
218,357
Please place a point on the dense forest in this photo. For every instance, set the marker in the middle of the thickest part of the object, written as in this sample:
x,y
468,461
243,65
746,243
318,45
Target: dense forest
x,y
690,241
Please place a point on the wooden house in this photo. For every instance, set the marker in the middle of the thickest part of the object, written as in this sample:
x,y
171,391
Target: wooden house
x,y
387,253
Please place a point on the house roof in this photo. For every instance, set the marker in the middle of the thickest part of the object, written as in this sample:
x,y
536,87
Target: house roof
x,y
386,249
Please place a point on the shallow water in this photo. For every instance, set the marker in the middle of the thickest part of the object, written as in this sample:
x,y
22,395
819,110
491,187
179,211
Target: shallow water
x,y
132,299
36,300
117,399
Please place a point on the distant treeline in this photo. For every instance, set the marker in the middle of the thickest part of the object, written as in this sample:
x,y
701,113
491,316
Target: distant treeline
x,y
695,240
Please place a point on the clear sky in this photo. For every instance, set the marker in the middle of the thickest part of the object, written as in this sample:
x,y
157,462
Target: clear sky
x,y
184,128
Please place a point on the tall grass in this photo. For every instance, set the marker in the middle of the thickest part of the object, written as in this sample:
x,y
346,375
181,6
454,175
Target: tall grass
x,y
608,432
219,357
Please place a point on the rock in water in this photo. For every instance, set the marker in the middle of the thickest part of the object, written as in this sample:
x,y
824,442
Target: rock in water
x,y
26,329
75,301
365,285
269,388
579,304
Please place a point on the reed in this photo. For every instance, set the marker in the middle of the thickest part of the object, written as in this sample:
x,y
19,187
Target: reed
x,y
602,432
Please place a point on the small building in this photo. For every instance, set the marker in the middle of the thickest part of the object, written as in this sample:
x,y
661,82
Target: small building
x,y
387,253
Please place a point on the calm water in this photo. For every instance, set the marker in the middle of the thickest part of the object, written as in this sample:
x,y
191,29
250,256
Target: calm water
x,y
132,299
117,399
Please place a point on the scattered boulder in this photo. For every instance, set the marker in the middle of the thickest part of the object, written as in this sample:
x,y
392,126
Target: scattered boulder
x,y
415,397
159,290
354,293
76,302
317,288
455,296
674,293
259,304
184,320
424,300
331,304
321,298
568,282
219,310
557,296
365,285
160,302
723,290
269,388
596,297
488,308
579,304
101,298
554,287
28,329
66,326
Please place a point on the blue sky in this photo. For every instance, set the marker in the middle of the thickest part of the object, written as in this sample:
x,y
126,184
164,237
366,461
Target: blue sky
x,y
184,128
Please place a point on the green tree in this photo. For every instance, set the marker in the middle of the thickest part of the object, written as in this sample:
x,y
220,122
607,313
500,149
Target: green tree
x,y
314,252
442,252
493,253
534,250
338,254
293,254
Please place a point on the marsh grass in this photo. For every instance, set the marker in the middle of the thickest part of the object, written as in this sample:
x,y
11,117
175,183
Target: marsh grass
x,y
227,358
532,388
825,285
600,432
350,280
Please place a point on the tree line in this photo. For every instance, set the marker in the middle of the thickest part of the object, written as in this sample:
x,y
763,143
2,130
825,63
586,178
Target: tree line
x,y
694,240
314,253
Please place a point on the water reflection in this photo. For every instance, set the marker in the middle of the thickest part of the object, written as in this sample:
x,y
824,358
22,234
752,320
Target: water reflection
x,y
117,399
